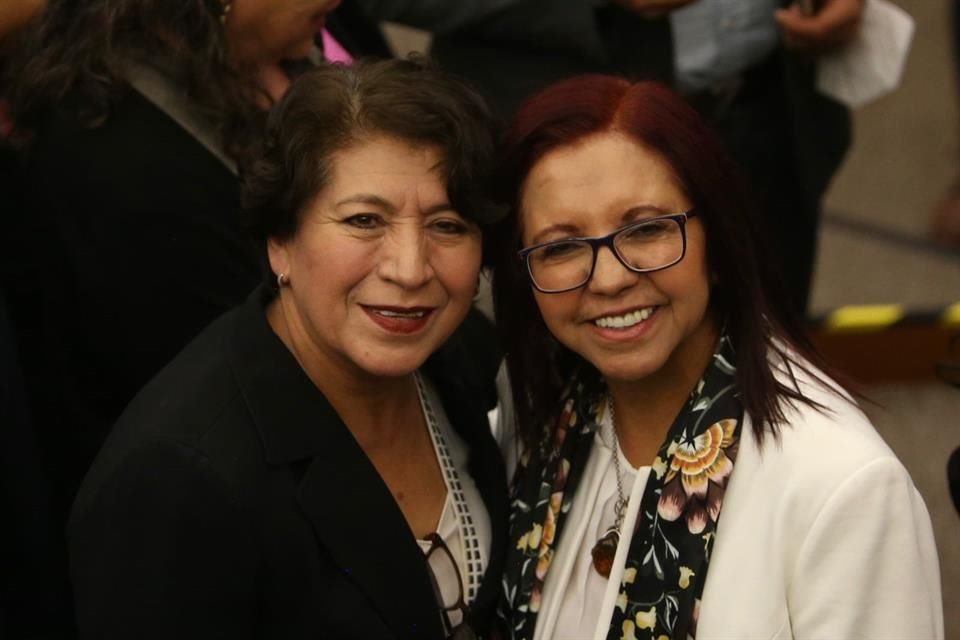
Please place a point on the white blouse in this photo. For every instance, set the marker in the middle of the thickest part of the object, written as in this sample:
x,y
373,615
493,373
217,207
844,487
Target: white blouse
x,y
578,601
464,523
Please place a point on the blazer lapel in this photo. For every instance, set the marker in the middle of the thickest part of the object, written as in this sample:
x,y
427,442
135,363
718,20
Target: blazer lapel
x,y
341,494
360,525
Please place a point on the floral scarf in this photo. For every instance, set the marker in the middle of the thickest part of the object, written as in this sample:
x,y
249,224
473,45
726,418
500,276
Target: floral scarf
x,y
669,554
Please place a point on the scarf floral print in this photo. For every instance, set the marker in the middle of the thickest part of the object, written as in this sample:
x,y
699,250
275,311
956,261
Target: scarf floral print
x,y
669,553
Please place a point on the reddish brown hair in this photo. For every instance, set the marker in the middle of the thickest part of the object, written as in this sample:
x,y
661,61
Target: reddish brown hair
x,y
748,296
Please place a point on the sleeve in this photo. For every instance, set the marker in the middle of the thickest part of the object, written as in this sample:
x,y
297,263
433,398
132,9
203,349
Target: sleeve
x,y
159,550
569,26
868,566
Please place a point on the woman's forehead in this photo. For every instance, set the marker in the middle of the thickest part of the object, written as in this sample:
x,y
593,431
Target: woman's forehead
x,y
603,174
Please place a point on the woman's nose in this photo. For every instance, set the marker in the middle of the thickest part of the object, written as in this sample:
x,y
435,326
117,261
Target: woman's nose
x,y
610,276
405,258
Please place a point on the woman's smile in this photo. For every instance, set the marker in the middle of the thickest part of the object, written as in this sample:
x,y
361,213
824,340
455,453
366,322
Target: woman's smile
x,y
400,320
624,326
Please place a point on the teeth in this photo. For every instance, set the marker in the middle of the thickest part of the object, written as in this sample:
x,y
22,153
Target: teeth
x,y
399,314
624,321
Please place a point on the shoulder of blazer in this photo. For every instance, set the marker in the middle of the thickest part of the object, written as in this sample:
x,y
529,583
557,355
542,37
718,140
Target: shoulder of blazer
x,y
139,144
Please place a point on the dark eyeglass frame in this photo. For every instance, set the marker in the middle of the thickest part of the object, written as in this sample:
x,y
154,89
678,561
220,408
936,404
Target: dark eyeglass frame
x,y
608,241
461,631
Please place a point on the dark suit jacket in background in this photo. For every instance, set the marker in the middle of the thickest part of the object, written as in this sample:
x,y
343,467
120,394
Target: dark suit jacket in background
x,y
230,501
136,237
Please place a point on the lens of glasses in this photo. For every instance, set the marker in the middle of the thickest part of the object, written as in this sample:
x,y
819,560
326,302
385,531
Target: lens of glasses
x,y
562,264
448,587
447,575
651,245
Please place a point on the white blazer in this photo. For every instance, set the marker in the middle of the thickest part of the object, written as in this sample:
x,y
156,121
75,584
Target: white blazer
x,y
822,536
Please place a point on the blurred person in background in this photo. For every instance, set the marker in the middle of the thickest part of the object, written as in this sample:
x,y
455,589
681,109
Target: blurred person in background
x,y
33,591
689,467
130,117
748,66
945,224
318,462
14,14
122,226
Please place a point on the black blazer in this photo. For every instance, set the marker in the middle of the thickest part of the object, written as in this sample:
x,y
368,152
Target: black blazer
x,y
230,501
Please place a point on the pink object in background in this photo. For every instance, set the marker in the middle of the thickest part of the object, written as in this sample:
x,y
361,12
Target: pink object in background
x,y
332,50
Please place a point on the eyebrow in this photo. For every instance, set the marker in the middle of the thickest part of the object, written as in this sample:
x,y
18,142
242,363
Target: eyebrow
x,y
383,203
630,215
367,198
633,213
554,228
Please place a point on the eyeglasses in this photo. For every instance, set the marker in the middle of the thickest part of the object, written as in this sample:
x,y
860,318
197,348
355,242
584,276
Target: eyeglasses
x,y
642,247
453,608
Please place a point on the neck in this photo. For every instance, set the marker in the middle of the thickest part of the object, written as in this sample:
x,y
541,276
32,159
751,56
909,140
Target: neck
x,y
274,82
378,411
647,408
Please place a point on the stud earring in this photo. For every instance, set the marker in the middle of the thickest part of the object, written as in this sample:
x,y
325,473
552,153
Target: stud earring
x,y
282,280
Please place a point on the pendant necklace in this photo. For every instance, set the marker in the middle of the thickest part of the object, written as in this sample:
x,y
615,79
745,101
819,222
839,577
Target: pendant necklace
x,y
605,549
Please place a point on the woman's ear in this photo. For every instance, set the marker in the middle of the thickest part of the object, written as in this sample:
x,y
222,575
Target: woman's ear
x,y
278,253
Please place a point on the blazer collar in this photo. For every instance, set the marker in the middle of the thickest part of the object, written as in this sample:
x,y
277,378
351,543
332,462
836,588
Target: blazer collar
x,y
349,507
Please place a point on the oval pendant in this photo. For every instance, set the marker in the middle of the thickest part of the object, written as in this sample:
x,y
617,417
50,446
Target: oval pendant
x,y
604,551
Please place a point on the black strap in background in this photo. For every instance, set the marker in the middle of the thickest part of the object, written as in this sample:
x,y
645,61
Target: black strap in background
x,y
953,477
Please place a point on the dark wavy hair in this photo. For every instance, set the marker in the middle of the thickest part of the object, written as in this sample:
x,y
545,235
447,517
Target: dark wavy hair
x,y
75,49
333,106
748,296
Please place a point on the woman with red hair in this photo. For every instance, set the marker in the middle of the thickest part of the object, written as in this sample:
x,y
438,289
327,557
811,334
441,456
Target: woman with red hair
x,y
687,465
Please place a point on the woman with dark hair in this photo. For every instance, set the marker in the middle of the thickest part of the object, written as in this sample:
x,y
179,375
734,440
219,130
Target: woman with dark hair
x,y
317,463
670,414
131,115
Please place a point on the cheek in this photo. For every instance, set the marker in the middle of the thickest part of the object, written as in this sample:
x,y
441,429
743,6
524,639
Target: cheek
x,y
458,269
284,33
687,287
557,310
334,266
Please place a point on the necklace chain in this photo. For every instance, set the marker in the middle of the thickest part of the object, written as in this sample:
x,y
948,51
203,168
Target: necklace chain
x,y
620,508
605,550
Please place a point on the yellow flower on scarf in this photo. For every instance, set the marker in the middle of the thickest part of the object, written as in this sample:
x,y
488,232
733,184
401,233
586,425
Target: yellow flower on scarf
x,y
622,602
522,542
647,619
535,534
685,574
659,467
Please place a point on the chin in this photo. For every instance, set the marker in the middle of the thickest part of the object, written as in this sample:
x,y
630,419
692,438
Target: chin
x,y
387,365
627,374
627,367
